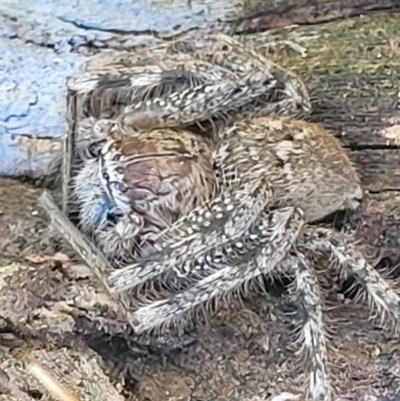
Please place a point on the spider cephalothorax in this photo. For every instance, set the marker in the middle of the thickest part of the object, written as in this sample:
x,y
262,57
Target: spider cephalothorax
x,y
139,183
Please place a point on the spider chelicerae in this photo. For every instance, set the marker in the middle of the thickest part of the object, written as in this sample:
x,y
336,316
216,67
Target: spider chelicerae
x,y
185,218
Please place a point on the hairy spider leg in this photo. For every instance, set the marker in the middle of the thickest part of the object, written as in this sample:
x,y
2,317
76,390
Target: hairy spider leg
x,y
349,261
259,251
200,230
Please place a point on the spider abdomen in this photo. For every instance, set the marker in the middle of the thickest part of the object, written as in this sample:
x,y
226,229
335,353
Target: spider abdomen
x,y
303,163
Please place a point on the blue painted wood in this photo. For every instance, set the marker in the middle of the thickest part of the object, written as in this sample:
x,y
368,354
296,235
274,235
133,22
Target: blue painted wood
x,y
39,48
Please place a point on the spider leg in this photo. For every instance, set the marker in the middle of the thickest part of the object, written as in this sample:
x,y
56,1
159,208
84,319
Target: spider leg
x,y
199,103
352,263
176,94
244,260
221,220
68,141
257,252
84,248
312,333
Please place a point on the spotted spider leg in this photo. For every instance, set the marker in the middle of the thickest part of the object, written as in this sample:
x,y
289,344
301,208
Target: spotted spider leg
x,y
194,104
258,251
350,262
227,52
198,90
200,230
68,141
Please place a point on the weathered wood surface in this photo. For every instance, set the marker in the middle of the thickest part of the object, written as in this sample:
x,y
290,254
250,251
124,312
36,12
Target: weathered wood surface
x,y
268,15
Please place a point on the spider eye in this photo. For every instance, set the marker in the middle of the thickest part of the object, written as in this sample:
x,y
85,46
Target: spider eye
x,y
120,187
93,150
106,176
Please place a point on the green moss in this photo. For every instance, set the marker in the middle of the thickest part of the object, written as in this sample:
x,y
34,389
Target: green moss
x,y
360,45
